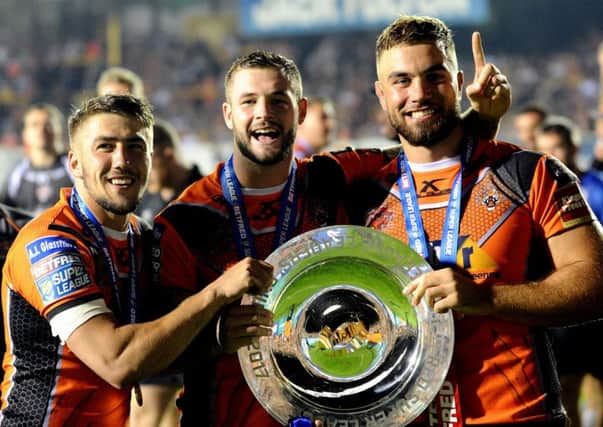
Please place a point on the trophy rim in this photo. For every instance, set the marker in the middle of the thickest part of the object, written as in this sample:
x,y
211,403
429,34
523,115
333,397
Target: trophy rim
x,y
282,401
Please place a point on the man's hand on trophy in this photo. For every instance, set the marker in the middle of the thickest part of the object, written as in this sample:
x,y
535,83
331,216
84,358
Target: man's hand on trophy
x,y
240,325
447,289
249,275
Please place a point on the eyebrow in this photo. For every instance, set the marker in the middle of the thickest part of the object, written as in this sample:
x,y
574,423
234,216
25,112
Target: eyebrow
x,y
275,93
107,138
435,67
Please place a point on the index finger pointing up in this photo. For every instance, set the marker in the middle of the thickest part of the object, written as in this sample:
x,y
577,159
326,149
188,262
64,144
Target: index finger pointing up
x,y
479,57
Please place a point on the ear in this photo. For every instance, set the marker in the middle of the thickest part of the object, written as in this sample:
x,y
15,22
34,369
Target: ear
x,y
302,106
459,81
74,164
227,113
380,95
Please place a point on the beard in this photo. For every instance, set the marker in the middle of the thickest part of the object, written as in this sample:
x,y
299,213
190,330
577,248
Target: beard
x,y
242,141
429,133
111,204
116,209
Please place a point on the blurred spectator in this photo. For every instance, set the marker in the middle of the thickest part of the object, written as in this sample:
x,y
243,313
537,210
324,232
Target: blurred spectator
x,y
119,81
34,183
559,137
169,173
600,63
318,128
180,70
526,121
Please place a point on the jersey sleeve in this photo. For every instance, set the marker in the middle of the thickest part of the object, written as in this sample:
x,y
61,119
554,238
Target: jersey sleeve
x,y
556,199
63,323
53,272
359,164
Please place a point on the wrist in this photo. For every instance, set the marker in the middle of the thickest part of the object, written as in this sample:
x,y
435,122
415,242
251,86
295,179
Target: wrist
x,y
215,294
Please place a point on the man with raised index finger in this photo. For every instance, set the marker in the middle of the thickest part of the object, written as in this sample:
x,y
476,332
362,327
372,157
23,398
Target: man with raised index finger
x,y
512,241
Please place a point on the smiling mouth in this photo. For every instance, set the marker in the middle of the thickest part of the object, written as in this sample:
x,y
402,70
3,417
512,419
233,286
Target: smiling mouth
x,y
122,181
419,114
266,135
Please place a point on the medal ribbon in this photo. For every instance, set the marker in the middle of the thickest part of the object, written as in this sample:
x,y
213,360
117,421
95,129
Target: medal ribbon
x,y
412,214
241,228
93,226
445,409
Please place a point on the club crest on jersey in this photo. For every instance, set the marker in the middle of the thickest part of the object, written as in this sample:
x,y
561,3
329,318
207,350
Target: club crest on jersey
x,y
488,197
56,267
490,201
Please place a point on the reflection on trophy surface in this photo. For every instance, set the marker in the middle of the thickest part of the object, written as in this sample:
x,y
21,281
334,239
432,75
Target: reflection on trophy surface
x,y
347,344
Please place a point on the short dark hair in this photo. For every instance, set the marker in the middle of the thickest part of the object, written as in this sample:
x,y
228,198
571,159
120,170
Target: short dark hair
x,y
534,109
124,105
413,30
564,128
266,59
54,113
164,135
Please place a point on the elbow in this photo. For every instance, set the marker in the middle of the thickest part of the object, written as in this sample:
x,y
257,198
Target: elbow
x,y
122,377
122,383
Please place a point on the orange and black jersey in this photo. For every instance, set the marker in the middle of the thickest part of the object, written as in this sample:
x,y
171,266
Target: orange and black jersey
x,y
197,245
513,201
11,221
53,281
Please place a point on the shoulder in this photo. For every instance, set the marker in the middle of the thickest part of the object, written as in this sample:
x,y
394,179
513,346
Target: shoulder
x,y
518,165
199,202
58,221
512,167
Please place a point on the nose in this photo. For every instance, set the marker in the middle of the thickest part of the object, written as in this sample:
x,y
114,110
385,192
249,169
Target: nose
x,y
419,89
121,155
262,108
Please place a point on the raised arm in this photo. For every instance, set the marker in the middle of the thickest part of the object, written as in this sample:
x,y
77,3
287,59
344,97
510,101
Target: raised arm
x,y
123,355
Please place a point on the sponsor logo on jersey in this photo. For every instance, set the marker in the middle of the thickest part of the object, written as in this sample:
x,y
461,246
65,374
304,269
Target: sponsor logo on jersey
x,y
429,188
45,246
56,267
572,206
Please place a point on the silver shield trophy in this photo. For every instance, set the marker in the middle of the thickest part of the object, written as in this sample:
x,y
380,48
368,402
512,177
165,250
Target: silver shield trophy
x,y
347,347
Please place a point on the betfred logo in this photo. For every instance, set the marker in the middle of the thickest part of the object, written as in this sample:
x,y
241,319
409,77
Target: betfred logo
x,y
572,206
60,275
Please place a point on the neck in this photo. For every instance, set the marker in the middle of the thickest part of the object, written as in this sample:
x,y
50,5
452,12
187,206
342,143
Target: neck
x,y
41,158
446,148
104,217
253,175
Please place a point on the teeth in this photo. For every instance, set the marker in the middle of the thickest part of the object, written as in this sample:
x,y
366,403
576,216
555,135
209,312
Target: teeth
x,y
422,113
121,181
264,131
